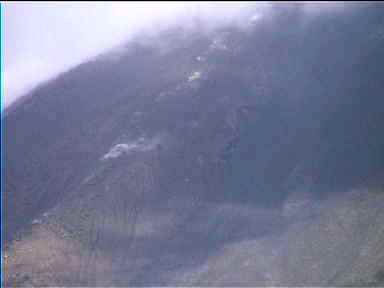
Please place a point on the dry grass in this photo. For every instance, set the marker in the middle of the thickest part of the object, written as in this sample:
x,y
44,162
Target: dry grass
x,y
45,258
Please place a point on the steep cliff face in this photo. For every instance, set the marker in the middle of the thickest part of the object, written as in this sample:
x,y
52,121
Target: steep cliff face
x,y
187,158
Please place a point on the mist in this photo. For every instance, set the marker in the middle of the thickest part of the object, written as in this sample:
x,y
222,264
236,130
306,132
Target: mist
x,y
200,144
43,40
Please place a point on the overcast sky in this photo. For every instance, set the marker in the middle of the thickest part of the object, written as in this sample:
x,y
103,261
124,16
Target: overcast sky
x,y
43,39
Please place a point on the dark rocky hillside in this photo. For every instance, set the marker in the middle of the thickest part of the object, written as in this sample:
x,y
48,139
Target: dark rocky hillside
x,y
247,155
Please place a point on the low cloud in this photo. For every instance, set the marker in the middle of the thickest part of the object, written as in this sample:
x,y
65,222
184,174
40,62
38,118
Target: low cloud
x,y
43,40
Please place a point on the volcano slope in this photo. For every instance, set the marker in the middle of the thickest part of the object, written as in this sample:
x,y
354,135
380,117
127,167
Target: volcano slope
x,y
244,155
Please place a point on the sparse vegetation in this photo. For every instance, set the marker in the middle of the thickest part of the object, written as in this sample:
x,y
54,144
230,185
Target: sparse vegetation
x,y
286,113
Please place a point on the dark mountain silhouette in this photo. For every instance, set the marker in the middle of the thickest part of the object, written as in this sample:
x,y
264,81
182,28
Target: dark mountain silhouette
x,y
189,154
